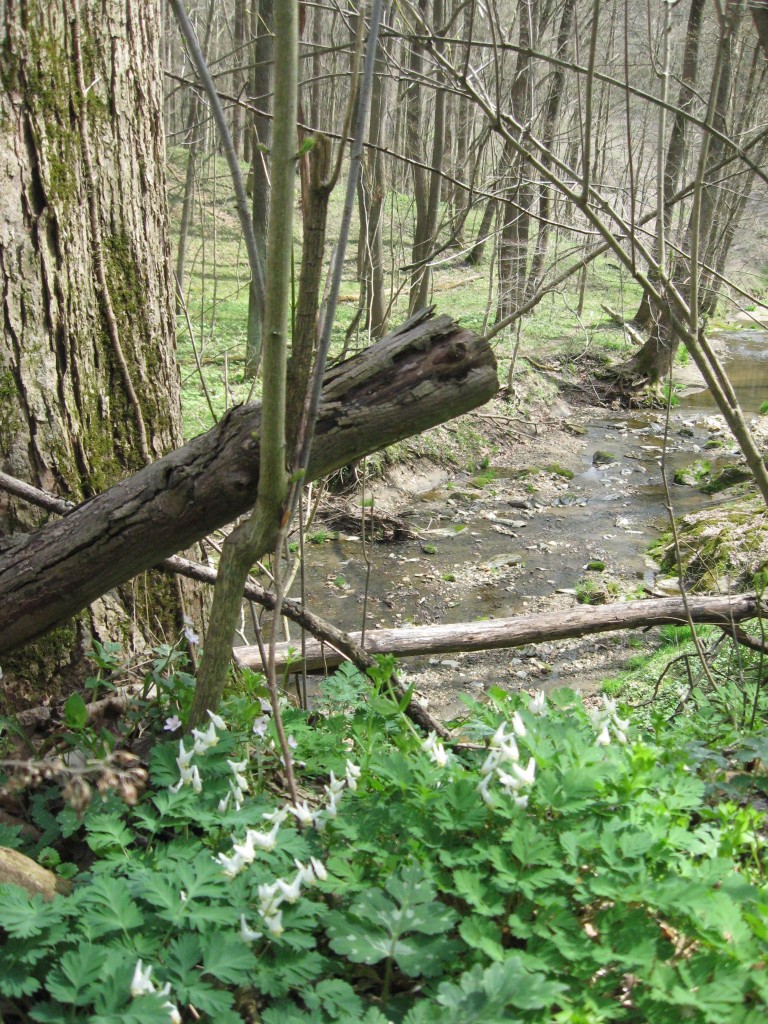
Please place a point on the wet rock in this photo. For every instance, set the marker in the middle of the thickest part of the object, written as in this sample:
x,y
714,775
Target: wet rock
x,y
603,458
501,561
693,474
728,476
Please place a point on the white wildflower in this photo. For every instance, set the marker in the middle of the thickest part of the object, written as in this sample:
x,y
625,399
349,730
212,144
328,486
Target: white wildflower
x,y
319,869
604,739
260,727
248,934
335,785
509,749
232,865
274,924
605,719
483,790
277,816
302,813
538,704
217,721
204,740
172,724
265,840
291,890
270,898
142,980
437,752
191,635
352,774
518,725
173,1012
185,756
526,775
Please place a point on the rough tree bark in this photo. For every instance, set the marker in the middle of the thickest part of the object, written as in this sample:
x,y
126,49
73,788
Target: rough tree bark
x,y
420,375
518,190
89,389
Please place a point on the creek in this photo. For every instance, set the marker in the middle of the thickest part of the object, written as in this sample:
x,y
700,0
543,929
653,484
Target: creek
x,y
519,536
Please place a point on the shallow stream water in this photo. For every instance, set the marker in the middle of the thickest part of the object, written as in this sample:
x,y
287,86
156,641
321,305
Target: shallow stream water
x,y
496,550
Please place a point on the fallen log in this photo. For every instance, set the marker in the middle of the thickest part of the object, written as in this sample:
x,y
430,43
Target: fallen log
x,y
516,632
290,608
425,372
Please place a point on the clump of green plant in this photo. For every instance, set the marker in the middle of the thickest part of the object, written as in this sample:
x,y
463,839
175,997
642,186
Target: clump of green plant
x,y
485,477
558,470
320,536
523,874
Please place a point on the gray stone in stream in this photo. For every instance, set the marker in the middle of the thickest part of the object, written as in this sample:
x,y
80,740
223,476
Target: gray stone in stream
x,y
601,458
501,561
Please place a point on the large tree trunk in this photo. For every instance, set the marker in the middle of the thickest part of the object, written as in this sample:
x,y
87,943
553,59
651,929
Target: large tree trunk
x,y
372,191
551,124
518,192
420,375
89,389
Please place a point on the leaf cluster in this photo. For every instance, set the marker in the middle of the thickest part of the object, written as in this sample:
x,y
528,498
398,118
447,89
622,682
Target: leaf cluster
x,y
620,893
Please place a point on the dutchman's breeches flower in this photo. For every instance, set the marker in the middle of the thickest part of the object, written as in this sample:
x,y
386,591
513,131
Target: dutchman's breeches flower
x,y
605,719
503,764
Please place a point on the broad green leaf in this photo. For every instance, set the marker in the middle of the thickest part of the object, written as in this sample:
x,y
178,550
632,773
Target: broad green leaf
x,y
334,996
418,910
486,995
23,915
183,957
479,933
287,971
15,979
111,908
75,712
528,842
76,977
228,960
108,833
478,892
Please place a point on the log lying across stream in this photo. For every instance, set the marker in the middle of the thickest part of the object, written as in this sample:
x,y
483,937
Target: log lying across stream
x,y
516,632
424,373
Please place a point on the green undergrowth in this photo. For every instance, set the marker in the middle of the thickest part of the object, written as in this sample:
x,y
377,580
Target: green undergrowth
x,y
708,687
553,865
